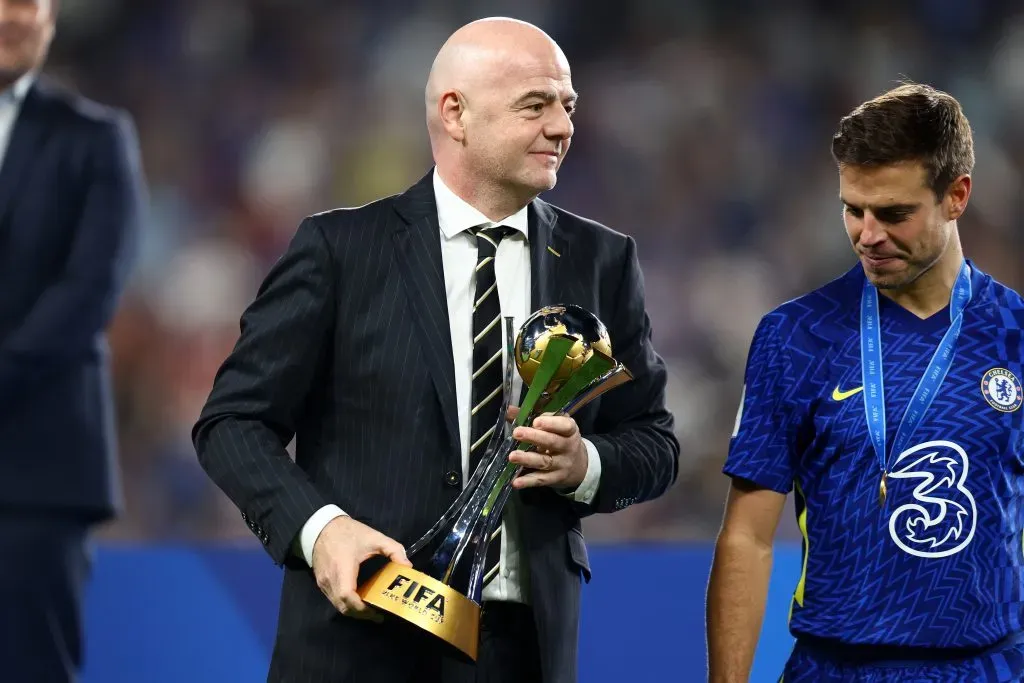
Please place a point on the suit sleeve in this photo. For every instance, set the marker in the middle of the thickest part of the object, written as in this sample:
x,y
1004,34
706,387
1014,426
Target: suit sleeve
x,y
63,324
259,393
634,431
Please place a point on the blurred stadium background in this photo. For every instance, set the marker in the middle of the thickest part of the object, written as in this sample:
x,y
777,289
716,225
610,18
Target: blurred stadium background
x,y
703,131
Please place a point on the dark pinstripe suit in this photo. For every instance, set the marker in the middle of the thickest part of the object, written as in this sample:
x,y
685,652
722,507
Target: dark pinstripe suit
x,y
347,346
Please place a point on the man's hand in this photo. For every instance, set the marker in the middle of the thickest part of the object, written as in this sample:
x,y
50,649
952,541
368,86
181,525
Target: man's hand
x,y
559,459
341,547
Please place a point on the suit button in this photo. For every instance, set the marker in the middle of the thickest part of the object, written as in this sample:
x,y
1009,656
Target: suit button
x,y
452,478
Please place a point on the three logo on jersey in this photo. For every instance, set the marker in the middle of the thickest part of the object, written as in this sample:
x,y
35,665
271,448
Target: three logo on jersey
x,y
941,519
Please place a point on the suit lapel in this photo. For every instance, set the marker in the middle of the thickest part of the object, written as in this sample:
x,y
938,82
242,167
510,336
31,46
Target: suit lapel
x,y
27,137
548,252
418,250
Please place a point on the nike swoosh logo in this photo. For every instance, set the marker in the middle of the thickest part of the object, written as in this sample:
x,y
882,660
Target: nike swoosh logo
x,y
838,395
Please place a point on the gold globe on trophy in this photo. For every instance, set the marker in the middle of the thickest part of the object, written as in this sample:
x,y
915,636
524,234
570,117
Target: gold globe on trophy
x,y
563,354
589,332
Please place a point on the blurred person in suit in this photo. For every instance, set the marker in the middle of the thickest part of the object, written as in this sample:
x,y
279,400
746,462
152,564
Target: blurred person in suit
x,y
70,196
369,342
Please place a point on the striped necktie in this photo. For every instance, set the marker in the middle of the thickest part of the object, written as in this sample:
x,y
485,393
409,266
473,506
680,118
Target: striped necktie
x,y
487,365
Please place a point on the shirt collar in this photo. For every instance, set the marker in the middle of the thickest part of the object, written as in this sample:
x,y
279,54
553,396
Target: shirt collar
x,y
455,215
16,92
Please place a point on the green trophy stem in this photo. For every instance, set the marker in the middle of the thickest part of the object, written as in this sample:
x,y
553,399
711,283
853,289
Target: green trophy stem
x,y
471,517
551,360
595,367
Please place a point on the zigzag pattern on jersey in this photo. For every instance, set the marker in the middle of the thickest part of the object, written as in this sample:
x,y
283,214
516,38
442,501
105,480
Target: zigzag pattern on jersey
x,y
775,376
1008,324
860,586
785,360
1005,666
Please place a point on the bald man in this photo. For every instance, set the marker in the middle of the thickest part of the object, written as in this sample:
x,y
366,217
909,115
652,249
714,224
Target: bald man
x,y
369,343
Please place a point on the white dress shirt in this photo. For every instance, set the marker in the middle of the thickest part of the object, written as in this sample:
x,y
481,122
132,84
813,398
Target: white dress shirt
x,y
512,272
10,105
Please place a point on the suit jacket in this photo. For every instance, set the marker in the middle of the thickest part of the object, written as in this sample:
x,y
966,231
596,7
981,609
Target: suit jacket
x,y
347,346
70,196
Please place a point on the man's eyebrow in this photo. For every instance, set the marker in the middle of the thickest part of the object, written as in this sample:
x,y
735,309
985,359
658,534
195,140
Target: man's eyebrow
x,y
546,96
882,207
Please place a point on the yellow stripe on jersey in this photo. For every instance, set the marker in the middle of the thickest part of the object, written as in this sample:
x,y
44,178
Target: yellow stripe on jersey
x,y
801,522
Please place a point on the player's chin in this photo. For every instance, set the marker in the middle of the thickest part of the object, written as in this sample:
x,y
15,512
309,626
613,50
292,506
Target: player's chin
x,y
886,273
889,280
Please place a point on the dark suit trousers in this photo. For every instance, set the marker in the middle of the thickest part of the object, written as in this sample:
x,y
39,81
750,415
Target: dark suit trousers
x,y
508,651
44,563
397,652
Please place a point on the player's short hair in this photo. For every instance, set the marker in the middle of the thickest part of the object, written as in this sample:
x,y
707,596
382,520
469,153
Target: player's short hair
x,y
913,122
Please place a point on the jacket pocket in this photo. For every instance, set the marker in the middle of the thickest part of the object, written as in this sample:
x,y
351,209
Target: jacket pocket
x,y
578,552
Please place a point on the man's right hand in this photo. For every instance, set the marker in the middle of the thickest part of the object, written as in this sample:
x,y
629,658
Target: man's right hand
x,y
341,547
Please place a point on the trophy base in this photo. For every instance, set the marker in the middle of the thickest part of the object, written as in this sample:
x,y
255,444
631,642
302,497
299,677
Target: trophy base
x,y
427,603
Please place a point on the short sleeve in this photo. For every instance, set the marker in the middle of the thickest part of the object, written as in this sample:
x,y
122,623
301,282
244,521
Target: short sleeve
x,y
763,443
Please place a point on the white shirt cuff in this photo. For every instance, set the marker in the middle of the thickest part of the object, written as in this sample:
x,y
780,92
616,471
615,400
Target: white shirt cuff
x,y
587,490
312,528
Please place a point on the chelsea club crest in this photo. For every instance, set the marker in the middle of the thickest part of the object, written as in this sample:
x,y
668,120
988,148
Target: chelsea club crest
x,y
1002,390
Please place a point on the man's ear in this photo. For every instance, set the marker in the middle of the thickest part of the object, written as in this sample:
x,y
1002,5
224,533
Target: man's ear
x,y
451,109
956,197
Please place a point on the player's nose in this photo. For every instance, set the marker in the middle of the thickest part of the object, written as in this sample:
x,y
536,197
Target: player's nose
x,y
872,231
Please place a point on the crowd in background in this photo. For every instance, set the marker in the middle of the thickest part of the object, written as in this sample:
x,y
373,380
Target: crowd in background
x,y
703,130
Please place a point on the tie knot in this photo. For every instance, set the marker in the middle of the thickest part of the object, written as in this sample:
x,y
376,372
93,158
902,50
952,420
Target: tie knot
x,y
492,235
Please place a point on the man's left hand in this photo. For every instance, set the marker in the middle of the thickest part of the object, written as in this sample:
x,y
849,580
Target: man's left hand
x,y
559,458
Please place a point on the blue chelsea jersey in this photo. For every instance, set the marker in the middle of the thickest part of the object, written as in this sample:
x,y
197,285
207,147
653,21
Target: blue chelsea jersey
x,y
941,563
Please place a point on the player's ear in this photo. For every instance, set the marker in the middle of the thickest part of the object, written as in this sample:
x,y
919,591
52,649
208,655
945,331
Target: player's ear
x,y
955,202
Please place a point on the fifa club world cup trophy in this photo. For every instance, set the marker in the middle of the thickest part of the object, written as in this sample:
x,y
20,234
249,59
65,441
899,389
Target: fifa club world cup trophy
x,y
564,357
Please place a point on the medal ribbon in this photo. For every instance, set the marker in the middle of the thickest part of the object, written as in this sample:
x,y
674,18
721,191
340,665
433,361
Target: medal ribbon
x,y
928,386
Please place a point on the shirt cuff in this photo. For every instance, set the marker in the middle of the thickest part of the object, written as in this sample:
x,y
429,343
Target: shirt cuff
x,y
586,492
312,528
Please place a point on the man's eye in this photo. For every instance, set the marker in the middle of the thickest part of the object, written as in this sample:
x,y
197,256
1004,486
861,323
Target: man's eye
x,y
891,218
